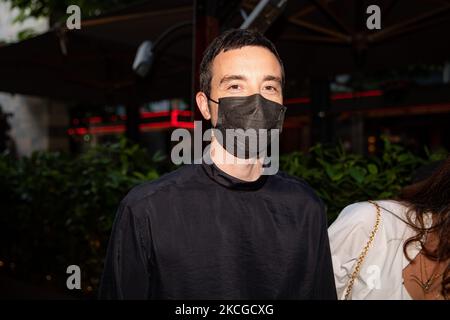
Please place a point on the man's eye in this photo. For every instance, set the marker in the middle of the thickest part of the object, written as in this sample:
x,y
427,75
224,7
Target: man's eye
x,y
271,88
234,87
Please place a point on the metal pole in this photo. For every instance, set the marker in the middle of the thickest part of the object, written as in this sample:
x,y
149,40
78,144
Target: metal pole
x,y
255,13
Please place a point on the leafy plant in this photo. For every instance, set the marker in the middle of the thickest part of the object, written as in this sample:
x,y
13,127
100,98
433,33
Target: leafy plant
x,y
57,210
342,178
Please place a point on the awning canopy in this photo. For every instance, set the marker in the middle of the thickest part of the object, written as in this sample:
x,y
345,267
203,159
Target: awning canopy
x,y
94,64
314,37
326,37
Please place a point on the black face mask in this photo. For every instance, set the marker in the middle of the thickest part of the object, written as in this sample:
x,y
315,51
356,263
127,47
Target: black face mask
x,y
249,112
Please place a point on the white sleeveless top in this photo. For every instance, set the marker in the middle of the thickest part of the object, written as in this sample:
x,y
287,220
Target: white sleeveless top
x,y
381,274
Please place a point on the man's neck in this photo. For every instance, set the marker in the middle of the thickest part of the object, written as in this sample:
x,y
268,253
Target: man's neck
x,y
247,170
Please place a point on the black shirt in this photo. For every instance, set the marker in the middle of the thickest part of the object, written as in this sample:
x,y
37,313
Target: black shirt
x,y
199,233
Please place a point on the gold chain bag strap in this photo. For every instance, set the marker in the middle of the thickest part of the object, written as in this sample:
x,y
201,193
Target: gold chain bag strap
x,y
364,251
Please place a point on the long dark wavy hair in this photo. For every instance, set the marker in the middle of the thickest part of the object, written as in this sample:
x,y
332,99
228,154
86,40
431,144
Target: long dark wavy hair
x,y
431,195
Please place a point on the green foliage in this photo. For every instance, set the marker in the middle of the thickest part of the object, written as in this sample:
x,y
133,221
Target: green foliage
x,y
342,178
46,8
56,10
57,211
26,33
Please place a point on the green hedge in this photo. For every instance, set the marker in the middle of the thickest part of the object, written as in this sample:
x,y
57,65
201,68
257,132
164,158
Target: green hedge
x,y
341,178
58,210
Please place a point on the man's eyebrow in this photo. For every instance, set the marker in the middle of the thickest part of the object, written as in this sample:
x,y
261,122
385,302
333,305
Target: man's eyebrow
x,y
232,77
272,78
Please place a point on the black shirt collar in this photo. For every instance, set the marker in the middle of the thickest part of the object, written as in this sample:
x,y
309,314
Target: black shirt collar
x,y
230,182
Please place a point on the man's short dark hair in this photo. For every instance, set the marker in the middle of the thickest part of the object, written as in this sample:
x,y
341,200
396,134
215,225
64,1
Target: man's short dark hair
x,y
229,40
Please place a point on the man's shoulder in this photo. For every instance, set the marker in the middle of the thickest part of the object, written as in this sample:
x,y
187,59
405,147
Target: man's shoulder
x,y
173,180
297,187
295,184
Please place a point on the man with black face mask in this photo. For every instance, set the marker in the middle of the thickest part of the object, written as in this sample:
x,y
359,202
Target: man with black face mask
x,y
224,229
256,116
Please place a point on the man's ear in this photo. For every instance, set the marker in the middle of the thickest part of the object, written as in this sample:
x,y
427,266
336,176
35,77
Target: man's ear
x,y
202,104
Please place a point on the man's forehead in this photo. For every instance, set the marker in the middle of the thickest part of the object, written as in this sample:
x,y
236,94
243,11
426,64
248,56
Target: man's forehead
x,y
246,53
243,61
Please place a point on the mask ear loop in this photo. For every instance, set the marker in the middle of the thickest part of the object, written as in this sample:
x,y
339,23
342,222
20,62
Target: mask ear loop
x,y
281,118
209,98
216,102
